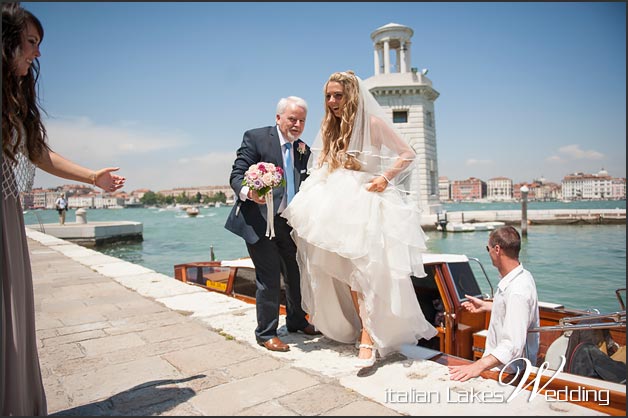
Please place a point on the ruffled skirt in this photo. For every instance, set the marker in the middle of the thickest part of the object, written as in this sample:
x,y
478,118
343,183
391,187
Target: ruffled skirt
x,y
351,239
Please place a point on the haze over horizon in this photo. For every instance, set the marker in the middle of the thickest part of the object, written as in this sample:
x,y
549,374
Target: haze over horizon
x,y
165,90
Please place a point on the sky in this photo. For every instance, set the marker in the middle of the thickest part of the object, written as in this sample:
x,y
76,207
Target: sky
x,y
165,90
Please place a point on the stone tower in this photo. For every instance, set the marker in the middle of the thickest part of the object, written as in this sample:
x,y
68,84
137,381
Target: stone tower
x,y
408,97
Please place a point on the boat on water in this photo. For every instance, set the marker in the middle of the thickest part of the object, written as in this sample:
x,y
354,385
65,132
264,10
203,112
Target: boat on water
x,y
462,334
472,226
192,211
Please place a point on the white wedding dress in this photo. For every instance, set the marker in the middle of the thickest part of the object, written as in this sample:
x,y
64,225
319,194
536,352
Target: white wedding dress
x,y
348,237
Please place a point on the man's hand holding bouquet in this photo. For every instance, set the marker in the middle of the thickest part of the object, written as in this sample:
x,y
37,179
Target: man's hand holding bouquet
x,y
261,178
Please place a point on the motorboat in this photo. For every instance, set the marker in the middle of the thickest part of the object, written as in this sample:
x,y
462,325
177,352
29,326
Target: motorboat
x,y
472,226
462,334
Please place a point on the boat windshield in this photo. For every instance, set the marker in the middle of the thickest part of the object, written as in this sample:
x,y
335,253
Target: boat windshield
x,y
464,280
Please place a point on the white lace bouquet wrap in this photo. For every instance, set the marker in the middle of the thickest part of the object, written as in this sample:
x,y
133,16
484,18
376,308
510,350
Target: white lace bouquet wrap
x,y
262,178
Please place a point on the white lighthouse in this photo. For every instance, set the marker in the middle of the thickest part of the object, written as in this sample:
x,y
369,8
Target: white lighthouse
x,y
408,97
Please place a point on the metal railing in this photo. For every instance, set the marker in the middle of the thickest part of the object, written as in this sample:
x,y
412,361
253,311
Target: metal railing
x,y
485,275
618,320
39,221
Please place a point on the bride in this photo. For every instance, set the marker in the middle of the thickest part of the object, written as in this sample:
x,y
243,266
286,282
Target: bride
x,y
357,227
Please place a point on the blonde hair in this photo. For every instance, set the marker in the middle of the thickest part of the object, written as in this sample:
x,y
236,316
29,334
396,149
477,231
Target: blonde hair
x,y
336,132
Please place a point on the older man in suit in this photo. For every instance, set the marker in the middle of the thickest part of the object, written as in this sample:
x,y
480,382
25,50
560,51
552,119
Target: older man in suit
x,y
279,145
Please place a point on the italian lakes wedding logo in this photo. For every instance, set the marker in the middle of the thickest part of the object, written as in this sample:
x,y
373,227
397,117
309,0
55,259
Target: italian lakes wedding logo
x,y
534,388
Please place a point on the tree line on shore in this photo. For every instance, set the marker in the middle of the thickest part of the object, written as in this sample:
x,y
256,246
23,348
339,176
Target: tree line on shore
x,y
156,199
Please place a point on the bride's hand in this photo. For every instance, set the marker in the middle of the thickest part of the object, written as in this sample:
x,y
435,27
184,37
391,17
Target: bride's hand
x,y
377,184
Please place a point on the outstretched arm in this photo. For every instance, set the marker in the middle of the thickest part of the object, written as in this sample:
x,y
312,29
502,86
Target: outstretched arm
x,y
475,305
468,371
57,165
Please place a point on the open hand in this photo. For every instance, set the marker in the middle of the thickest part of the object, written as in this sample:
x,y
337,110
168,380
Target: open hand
x,y
107,181
474,305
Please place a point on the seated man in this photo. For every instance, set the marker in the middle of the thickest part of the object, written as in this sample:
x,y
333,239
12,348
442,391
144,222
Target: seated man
x,y
514,310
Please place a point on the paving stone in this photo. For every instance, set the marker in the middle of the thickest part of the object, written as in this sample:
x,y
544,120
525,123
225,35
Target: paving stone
x,y
362,408
111,343
267,409
210,356
335,396
234,397
253,366
98,384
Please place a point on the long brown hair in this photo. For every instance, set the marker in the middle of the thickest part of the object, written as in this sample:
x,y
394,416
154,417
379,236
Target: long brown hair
x,y
20,105
336,132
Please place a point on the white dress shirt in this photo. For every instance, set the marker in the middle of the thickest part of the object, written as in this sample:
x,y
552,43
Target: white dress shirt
x,y
515,310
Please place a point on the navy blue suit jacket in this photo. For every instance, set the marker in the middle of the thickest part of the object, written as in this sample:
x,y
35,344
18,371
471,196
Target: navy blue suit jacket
x,y
247,218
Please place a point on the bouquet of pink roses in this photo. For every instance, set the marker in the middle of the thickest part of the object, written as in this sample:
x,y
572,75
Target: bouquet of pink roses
x,y
262,177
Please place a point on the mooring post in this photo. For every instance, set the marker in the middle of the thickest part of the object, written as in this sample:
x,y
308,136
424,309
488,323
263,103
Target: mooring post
x,y
524,210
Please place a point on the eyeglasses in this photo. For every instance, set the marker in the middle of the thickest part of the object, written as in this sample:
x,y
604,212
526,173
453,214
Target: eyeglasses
x,y
488,249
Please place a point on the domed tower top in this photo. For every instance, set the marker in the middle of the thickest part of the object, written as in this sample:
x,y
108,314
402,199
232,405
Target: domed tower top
x,y
392,37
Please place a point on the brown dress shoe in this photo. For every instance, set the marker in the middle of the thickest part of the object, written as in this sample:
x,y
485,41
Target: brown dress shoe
x,y
308,330
275,344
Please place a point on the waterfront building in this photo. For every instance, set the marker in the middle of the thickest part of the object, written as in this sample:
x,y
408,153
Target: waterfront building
x,y
408,97
548,191
588,186
40,198
210,191
618,188
103,201
444,189
36,199
469,189
83,201
139,193
499,189
533,189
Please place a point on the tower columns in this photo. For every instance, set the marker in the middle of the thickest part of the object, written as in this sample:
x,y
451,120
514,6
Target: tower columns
x,y
386,56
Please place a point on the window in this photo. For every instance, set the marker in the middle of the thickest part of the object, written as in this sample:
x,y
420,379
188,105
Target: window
x,y
400,116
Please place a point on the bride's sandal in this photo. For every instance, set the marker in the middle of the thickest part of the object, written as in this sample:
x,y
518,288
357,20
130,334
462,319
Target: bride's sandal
x,y
366,362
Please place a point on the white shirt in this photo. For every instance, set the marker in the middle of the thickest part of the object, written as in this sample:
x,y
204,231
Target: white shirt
x,y
515,310
244,191
61,203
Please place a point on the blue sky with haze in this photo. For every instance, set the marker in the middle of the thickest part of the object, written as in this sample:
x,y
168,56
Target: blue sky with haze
x,y
165,90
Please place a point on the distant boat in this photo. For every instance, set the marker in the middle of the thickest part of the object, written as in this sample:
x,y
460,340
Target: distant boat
x,y
134,205
192,212
472,226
